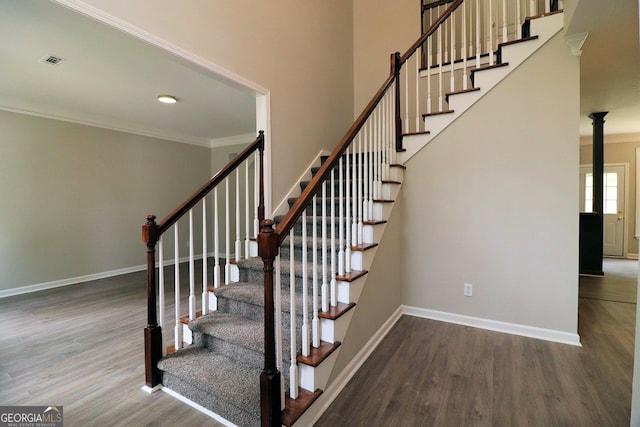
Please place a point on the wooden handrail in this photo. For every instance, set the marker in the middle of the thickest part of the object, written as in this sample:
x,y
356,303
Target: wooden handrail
x,y
430,31
282,230
435,4
174,216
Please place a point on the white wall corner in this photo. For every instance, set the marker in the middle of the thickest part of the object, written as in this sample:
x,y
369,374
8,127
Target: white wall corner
x,y
575,42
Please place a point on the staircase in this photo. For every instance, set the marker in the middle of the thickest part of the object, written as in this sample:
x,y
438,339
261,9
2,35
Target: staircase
x,y
325,245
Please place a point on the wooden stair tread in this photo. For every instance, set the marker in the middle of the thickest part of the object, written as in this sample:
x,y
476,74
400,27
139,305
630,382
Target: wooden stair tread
x,y
542,15
523,39
337,311
382,201
473,89
185,319
294,408
489,67
389,181
398,165
351,276
438,113
363,247
424,132
318,355
172,348
376,222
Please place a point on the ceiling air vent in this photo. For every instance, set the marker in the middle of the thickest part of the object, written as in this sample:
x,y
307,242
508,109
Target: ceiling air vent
x,y
53,60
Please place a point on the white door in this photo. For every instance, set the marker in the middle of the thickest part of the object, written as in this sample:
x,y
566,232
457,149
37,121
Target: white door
x,y
613,189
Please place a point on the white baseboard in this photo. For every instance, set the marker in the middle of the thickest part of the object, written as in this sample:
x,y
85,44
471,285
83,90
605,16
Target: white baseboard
x,y
632,256
333,390
494,325
90,277
70,281
198,407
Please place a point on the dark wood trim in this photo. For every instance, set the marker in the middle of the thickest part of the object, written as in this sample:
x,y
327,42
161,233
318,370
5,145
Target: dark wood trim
x,y
398,165
382,201
153,331
352,276
376,222
270,403
438,113
447,95
177,213
425,132
337,311
512,42
435,4
389,181
363,247
318,355
294,408
185,319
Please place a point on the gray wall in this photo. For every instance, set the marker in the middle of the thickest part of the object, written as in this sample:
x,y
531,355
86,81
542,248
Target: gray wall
x,y
493,201
74,197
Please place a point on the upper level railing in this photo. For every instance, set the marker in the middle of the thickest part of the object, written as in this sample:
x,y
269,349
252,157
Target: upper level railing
x,y
237,208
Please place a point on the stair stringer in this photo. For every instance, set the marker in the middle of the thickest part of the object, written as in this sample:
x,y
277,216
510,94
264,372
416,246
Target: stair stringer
x,y
378,292
313,378
514,54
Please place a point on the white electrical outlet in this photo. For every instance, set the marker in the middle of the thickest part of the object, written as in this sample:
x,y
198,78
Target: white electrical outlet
x,y
468,290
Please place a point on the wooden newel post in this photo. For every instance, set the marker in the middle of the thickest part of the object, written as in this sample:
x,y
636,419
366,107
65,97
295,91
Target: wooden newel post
x,y
395,69
270,377
152,332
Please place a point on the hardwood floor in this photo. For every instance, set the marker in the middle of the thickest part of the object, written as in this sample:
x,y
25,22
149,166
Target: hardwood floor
x,y
428,373
619,283
81,347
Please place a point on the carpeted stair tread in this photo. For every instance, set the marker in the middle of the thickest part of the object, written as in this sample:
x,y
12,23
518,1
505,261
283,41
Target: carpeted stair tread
x,y
256,264
210,374
232,328
251,293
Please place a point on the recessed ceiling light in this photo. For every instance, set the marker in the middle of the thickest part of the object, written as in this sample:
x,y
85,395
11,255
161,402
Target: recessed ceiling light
x,y
167,99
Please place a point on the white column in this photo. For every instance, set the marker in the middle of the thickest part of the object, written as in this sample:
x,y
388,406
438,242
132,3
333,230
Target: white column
x,y
293,369
192,279
227,239
177,330
315,322
238,245
205,265
306,332
216,242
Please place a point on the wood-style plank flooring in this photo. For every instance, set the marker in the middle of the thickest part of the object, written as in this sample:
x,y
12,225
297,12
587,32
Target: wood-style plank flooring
x,y
81,347
428,373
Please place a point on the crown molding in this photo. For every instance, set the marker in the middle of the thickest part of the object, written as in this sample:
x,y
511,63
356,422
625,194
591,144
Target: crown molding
x,y
243,139
613,139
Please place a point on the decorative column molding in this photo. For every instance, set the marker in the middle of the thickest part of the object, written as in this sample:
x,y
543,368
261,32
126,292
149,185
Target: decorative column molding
x,y
575,42
598,160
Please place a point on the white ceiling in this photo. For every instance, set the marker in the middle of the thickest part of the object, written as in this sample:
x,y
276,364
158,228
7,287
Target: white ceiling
x,y
610,64
111,79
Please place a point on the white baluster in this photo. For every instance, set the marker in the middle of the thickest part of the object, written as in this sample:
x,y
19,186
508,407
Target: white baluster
x,y
177,330
340,219
377,164
354,192
371,182
256,194
392,130
453,65
406,99
547,6
365,176
478,36
490,26
227,240
216,243
360,200
293,368
305,292
518,20
465,77
277,296
332,283
533,8
445,41
347,222
324,290
504,21
428,84
238,247
161,301
440,103
315,323
192,279
205,265
247,227
417,54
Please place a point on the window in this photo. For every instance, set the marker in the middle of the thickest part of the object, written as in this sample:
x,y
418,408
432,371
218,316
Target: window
x,y
610,192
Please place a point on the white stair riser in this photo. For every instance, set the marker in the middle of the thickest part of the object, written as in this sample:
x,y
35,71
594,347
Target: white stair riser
x,y
335,330
372,233
462,101
316,378
381,211
362,260
350,291
396,174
